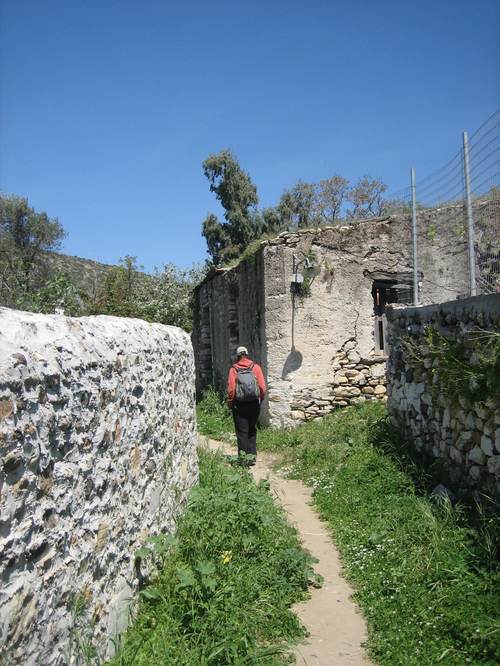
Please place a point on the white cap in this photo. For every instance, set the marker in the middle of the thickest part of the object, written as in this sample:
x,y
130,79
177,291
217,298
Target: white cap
x,y
242,351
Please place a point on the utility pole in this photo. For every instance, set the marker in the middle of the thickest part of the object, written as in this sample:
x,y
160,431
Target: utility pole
x,y
470,220
414,235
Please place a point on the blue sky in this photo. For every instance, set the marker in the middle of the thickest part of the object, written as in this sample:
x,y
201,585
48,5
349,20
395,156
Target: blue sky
x,y
108,108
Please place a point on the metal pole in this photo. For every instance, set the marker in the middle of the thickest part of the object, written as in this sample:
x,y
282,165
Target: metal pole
x,y
470,220
414,236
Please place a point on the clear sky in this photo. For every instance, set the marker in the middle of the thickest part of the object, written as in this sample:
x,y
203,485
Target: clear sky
x,y
109,107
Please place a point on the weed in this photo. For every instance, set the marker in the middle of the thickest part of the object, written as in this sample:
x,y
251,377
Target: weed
x,y
425,572
225,584
469,368
214,417
81,648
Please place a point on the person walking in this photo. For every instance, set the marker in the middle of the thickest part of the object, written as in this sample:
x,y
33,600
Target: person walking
x,y
246,388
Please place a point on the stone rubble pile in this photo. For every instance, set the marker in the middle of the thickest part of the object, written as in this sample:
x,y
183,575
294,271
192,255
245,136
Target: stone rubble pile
x,y
356,379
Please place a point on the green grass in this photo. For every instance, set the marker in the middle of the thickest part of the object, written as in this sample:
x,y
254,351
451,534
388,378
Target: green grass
x,y
426,580
214,418
226,582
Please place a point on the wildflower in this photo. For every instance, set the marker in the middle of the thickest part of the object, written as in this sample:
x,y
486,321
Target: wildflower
x,y
227,556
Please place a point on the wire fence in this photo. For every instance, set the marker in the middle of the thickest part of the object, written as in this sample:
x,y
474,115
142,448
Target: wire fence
x,y
446,188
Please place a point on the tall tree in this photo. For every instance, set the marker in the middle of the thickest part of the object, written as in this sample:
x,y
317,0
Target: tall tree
x,y
24,236
219,243
271,221
237,194
296,206
366,198
330,196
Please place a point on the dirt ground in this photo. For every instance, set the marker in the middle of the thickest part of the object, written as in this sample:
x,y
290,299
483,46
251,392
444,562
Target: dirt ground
x,y
337,630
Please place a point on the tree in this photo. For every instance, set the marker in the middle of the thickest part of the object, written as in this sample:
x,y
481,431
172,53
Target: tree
x,y
59,292
237,194
366,198
117,291
296,206
163,297
24,236
330,196
167,296
271,221
219,243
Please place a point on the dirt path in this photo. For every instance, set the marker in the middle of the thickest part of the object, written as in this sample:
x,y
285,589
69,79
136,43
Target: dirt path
x,y
336,628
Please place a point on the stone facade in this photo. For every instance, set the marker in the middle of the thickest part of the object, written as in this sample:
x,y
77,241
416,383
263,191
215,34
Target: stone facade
x,y
463,435
98,448
323,347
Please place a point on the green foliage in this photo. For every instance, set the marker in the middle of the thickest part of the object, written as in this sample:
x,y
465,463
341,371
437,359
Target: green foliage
x,y
163,297
237,194
24,236
303,289
214,417
469,368
426,575
60,292
431,233
226,584
301,207
81,650
219,245
296,206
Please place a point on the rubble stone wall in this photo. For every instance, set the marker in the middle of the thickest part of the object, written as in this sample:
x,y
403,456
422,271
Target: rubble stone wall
x,y
463,434
229,311
98,452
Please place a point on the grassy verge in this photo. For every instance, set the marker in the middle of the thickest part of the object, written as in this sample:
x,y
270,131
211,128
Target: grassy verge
x,y
214,418
226,582
426,580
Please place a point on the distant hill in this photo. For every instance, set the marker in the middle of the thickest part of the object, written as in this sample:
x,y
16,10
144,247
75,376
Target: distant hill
x,y
85,273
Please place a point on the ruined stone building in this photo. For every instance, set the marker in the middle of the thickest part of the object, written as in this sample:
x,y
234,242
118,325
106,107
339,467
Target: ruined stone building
x,y
309,305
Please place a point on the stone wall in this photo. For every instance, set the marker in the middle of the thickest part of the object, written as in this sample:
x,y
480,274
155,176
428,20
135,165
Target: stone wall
x,y
319,351
464,435
229,307
320,348
97,441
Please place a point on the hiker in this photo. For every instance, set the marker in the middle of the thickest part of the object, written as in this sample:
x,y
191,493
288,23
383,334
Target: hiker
x,y
245,390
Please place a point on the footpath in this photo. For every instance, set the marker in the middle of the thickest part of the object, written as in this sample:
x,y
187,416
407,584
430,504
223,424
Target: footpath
x,y
336,629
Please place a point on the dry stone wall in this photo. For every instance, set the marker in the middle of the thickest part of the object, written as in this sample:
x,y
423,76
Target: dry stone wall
x,y
464,435
97,441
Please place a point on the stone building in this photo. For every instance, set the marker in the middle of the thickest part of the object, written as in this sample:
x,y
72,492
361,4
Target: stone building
x,y
310,306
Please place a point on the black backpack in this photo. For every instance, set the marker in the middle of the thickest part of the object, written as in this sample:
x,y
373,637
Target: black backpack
x,y
247,387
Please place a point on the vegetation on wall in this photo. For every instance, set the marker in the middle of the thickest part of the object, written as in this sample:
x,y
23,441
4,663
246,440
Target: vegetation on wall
x,y
468,368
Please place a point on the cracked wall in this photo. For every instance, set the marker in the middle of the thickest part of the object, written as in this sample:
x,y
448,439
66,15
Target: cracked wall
x,y
319,351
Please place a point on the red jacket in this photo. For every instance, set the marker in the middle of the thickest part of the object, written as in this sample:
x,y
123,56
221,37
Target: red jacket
x,y
231,379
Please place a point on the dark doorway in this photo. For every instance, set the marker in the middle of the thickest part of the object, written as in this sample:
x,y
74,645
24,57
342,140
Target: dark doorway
x,y
385,292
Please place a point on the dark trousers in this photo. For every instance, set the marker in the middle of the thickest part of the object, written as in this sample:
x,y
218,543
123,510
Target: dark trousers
x,y
245,415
